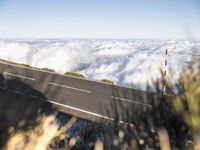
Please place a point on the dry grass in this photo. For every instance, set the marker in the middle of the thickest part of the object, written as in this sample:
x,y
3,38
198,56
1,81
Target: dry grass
x,y
41,136
37,138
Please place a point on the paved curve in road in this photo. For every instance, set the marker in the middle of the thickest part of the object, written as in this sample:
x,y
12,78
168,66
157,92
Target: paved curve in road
x,y
84,98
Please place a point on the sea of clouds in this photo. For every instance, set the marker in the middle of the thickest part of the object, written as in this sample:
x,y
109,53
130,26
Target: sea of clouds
x,y
126,62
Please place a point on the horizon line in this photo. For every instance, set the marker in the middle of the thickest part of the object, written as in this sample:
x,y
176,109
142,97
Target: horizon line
x,y
92,38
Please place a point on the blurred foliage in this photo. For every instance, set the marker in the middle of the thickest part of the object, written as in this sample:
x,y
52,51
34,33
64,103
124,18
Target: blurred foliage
x,y
75,74
37,137
188,102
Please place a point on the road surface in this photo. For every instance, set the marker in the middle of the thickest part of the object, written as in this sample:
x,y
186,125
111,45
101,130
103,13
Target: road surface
x,y
84,98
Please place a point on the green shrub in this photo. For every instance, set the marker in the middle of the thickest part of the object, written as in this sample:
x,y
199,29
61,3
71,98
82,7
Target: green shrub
x,y
74,74
23,65
47,69
14,63
107,81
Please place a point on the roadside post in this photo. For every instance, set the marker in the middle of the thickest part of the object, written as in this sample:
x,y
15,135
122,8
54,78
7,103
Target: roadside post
x,y
165,70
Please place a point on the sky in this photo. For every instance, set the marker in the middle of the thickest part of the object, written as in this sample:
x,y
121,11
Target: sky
x,y
115,19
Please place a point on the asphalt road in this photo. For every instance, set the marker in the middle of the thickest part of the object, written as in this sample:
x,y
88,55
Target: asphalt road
x,y
77,96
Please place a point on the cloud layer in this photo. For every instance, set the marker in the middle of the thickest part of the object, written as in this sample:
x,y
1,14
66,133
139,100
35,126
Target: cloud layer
x,y
126,62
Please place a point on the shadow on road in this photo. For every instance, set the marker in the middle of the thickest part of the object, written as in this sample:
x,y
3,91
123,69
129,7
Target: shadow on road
x,y
19,111
143,118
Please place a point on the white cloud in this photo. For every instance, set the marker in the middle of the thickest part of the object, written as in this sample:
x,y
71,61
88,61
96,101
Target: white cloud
x,y
123,61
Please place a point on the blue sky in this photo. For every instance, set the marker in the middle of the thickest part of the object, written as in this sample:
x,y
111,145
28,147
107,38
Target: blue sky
x,y
149,19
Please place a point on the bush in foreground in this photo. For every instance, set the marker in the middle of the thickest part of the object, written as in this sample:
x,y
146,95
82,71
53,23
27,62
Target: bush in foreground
x,y
74,74
188,102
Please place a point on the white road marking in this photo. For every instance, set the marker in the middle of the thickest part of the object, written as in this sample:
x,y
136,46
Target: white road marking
x,y
130,101
20,76
69,87
70,107
88,112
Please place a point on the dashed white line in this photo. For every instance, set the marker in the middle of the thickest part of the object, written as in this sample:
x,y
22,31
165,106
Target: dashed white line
x,y
20,76
130,101
69,87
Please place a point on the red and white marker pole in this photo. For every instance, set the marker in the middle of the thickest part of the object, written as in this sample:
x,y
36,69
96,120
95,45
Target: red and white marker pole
x,y
165,71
